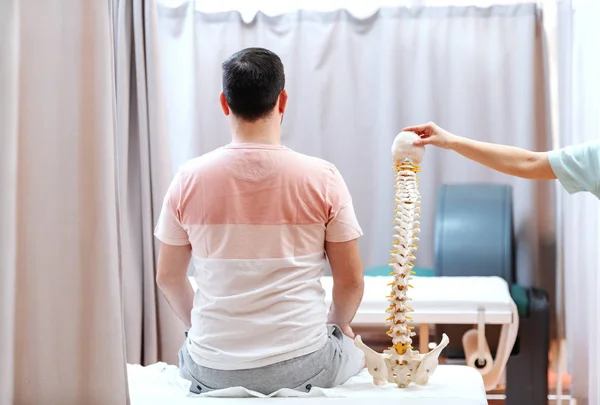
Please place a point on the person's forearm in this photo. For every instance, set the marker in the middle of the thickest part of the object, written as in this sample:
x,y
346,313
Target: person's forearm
x,y
506,159
180,296
345,302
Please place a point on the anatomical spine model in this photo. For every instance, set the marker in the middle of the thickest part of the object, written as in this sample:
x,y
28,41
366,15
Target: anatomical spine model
x,y
401,364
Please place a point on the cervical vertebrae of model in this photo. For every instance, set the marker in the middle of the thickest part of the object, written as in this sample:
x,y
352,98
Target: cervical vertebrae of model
x,y
401,364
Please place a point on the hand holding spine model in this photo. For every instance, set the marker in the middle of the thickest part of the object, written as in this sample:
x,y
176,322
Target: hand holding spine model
x,y
401,364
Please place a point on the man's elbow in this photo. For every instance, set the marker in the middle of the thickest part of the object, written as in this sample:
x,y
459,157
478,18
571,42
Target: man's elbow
x,y
360,288
355,284
160,281
537,167
165,280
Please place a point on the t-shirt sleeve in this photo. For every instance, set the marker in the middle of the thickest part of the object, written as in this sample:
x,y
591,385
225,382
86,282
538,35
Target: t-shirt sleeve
x,y
169,229
342,225
577,167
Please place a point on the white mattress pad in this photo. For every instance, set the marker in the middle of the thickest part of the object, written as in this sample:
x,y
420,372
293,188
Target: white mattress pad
x,y
441,300
450,385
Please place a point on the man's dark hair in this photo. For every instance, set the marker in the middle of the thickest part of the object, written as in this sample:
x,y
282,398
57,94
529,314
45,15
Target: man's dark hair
x,y
253,79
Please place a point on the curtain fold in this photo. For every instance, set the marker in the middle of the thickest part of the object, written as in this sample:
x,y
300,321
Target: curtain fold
x,y
132,203
152,331
61,339
170,330
9,79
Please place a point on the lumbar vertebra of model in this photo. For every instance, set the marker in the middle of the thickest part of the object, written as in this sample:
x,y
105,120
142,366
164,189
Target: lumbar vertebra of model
x,y
401,364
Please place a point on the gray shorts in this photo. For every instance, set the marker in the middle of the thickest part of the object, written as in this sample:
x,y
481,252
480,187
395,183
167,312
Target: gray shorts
x,y
328,367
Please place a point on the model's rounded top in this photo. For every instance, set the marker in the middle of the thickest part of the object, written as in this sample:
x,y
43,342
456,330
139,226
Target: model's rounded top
x,y
403,148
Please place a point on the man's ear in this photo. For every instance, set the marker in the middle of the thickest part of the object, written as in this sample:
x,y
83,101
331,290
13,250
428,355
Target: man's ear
x,y
283,97
224,104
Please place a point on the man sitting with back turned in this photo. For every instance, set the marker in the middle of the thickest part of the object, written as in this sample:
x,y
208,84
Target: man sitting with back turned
x,y
259,221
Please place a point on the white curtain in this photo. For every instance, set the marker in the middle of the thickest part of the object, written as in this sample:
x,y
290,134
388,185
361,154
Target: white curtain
x,y
9,67
579,91
358,8
355,81
152,331
61,325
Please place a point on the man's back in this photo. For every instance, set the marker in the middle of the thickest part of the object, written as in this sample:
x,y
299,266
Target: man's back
x,y
257,217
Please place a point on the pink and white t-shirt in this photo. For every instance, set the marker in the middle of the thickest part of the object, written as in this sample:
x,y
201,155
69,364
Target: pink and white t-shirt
x,y
257,217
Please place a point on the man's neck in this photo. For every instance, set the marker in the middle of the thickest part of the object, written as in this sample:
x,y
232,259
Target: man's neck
x,y
263,131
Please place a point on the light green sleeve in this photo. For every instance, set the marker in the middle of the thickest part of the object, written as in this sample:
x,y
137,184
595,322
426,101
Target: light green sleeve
x,y
577,167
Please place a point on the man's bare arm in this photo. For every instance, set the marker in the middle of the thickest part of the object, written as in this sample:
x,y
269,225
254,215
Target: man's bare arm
x,y
505,159
171,277
348,282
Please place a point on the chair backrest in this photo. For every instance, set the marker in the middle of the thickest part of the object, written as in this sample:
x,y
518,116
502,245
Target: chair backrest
x,y
474,233
384,271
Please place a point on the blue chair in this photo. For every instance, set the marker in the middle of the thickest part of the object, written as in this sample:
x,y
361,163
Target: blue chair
x,y
474,236
384,271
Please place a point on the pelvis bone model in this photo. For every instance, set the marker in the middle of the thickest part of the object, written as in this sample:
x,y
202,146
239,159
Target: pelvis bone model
x,y
401,364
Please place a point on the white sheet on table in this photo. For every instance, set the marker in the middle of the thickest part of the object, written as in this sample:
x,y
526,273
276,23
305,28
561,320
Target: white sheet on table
x,y
451,385
438,294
